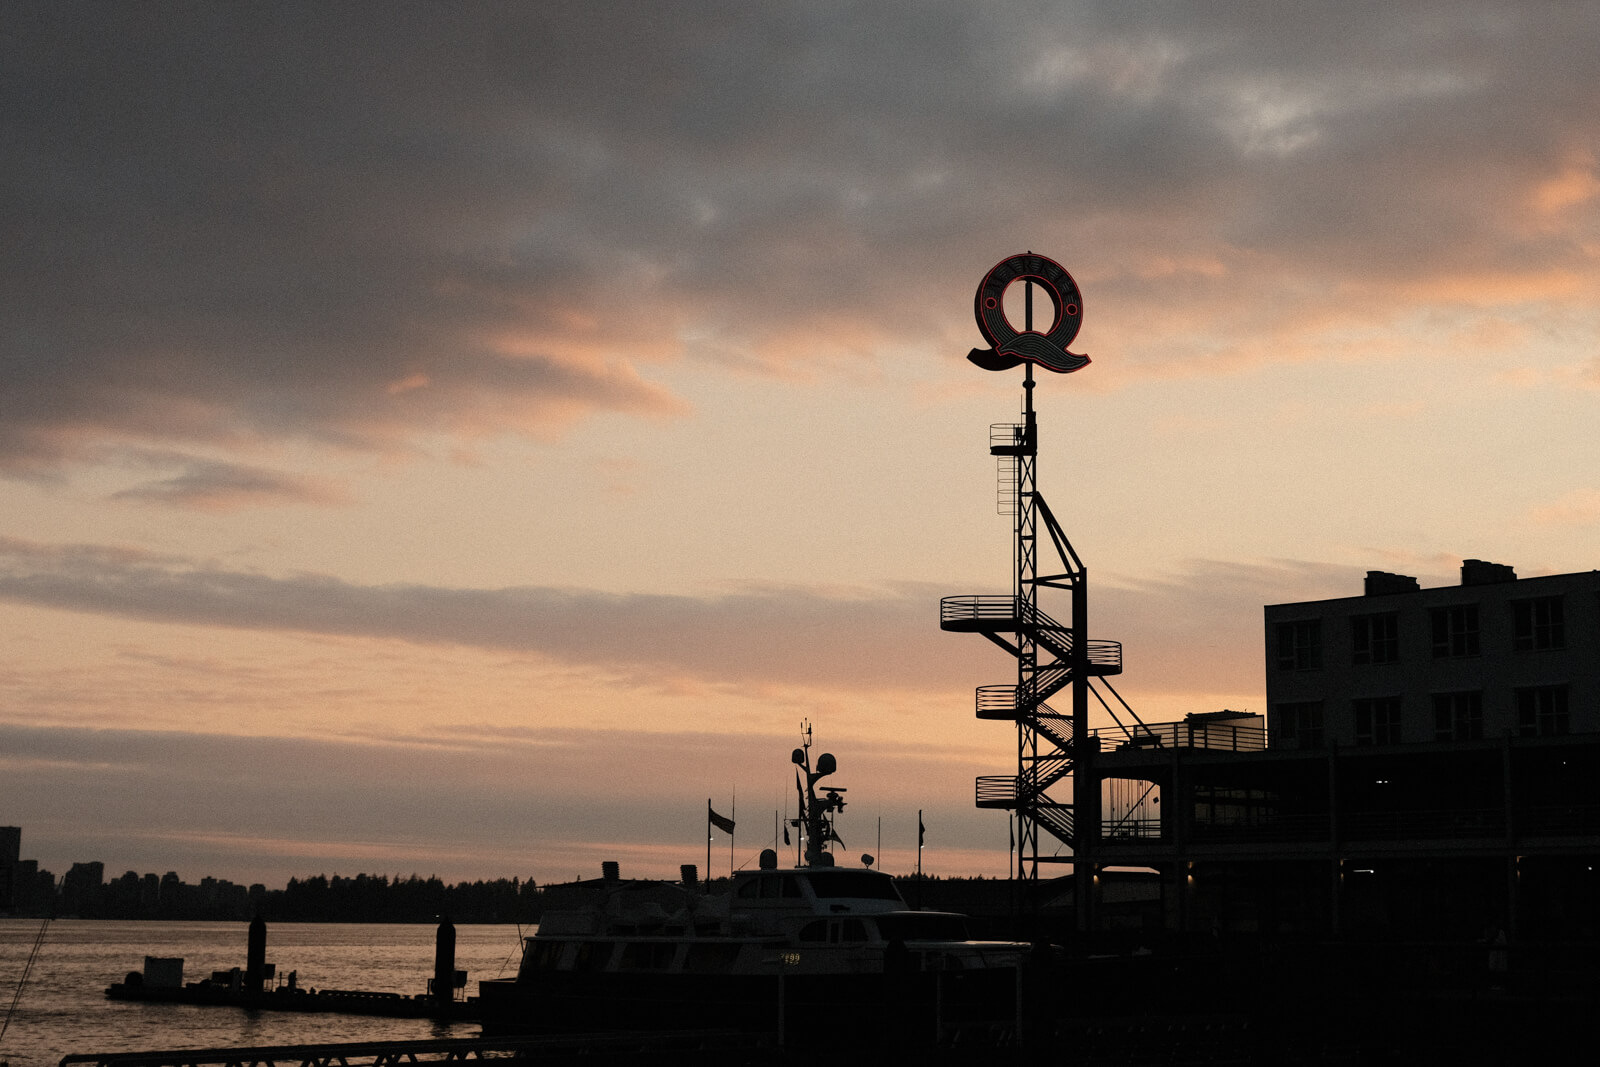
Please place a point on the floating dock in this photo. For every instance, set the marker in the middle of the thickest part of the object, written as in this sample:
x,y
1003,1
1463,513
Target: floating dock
x,y
161,982
341,1001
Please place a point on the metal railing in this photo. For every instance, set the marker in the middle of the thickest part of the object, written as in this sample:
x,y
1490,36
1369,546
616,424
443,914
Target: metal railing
x,y
997,702
977,609
1265,828
1441,823
1114,830
1058,819
1216,736
1561,820
996,790
1007,612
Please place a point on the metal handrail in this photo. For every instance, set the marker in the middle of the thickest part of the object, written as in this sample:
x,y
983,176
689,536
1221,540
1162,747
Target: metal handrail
x,y
999,701
1059,820
994,608
1224,737
996,788
963,608
1264,828
1005,433
1556,820
1146,829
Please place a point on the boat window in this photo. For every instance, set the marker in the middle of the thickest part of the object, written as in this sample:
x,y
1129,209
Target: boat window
x,y
647,955
770,888
854,930
543,955
592,956
791,887
815,931
714,957
750,888
867,885
922,926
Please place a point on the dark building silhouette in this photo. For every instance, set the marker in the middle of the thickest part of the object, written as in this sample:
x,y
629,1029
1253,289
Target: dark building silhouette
x,y
82,889
10,860
1429,767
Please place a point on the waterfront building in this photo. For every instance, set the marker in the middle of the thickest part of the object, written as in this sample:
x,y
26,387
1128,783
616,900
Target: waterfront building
x,y
1429,764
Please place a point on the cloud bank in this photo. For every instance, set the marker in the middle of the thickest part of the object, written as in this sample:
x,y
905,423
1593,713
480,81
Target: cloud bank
x,y
365,224
1205,620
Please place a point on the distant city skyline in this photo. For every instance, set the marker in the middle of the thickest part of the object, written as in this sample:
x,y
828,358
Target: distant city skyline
x,y
465,439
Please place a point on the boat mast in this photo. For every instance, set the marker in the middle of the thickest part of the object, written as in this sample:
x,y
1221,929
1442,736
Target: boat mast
x,y
814,810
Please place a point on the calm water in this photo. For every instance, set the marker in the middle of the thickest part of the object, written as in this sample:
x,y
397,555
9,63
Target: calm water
x,y
64,1009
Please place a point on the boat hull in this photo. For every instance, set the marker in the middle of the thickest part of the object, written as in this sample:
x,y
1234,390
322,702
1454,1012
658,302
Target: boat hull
x,y
913,1007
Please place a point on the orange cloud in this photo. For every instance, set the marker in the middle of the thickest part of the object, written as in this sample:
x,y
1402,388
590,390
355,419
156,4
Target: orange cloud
x,y
1580,507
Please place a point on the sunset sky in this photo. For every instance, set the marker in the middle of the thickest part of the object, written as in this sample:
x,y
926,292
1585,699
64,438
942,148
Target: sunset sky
x,y
462,439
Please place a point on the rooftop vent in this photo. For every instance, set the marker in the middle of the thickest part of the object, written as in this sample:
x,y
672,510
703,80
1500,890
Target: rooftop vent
x,y
1478,572
1382,583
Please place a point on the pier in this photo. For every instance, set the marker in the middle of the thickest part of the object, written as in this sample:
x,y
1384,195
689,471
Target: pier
x,y
161,981
708,1047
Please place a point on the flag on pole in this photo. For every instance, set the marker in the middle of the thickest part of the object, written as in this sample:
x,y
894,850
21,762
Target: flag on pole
x,y
719,821
922,831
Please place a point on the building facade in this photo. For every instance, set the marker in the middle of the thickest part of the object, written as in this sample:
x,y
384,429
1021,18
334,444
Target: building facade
x,y
1429,767
1495,655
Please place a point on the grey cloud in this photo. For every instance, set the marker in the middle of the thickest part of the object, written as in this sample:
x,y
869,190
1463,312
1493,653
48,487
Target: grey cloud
x,y
1205,619
755,636
236,222
1200,629
212,485
465,804
141,795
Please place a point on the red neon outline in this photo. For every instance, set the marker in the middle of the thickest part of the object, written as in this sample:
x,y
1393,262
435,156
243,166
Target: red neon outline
x,y
1027,265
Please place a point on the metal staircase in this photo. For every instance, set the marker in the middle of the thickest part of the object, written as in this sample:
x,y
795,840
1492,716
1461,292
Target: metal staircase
x,y
1055,749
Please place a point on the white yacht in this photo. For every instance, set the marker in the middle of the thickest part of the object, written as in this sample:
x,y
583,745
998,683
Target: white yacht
x,y
795,951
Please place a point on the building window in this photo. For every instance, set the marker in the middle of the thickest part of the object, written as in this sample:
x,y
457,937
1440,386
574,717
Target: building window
x,y
1455,631
1378,721
1457,716
1542,711
1300,645
1300,724
1538,624
1375,638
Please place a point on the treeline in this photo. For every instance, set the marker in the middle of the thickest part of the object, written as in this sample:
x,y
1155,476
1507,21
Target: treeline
x,y
379,899
366,898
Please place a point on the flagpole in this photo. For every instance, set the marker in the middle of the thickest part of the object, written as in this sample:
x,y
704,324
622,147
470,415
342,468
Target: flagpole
x,y
708,841
735,818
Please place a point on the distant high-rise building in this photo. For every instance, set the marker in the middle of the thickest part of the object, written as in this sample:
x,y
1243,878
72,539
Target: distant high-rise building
x,y
10,853
81,888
